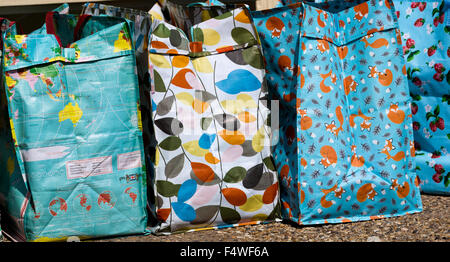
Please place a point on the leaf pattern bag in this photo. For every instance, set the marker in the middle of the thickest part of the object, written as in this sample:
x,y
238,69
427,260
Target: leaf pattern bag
x,y
425,29
213,164
73,102
345,151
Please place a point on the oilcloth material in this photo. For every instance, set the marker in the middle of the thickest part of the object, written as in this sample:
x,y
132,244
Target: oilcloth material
x,y
5,25
142,22
345,146
211,118
73,103
426,45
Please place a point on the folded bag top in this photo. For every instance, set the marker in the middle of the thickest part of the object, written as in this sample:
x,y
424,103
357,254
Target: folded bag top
x,y
202,39
80,40
342,22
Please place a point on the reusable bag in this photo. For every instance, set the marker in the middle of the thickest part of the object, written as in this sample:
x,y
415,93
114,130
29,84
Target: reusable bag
x,y
425,30
142,22
345,147
4,25
73,102
213,164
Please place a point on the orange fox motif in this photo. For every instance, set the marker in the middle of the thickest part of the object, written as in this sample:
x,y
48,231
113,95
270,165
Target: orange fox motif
x,y
342,51
412,149
384,78
365,125
337,193
288,207
284,63
361,11
376,44
356,160
329,156
366,191
332,126
395,114
388,147
324,87
320,22
402,190
322,45
349,85
276,26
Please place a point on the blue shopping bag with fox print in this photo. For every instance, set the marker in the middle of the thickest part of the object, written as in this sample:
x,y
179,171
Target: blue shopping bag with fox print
x,y
345,147
425,30
73,120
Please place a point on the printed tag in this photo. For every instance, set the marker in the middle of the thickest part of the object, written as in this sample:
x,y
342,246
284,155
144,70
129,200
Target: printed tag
x,y
129,160
89,167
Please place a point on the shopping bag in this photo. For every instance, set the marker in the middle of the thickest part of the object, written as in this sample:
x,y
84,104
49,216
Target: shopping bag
x,y
73,104
211,117
5,25
345,151
142,22
425,33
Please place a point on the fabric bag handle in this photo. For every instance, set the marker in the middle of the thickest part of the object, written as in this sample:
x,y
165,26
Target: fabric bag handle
x,y
51,26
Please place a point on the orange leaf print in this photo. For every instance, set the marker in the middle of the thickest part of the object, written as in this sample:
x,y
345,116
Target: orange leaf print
x,y
199,106
163,214
202,171
210,158
246,117
242,17
159,44
180,61
270,194
232,137
180,78
234,196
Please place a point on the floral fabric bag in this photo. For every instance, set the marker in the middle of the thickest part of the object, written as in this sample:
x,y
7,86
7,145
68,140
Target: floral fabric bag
x,y
213,164
73,103
345,151
425,30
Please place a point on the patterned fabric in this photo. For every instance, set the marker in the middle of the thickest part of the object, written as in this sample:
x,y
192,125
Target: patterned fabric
x,y
213,166
6,27
426,45
345,152
142,22
73,105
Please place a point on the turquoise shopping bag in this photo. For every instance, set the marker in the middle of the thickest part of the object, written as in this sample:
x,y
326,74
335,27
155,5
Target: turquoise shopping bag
x,y
73,101
345,148
5,25
142,22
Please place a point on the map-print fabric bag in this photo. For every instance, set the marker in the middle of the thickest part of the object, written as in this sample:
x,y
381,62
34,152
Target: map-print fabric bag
x,y
142,22
345,150
213,164
73,103
5,139
425,29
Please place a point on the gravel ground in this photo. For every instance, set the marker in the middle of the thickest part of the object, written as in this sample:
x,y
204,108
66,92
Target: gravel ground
x,y
431,225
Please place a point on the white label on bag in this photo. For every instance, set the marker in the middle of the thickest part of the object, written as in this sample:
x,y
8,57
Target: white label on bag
x,y
129,160
89,167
